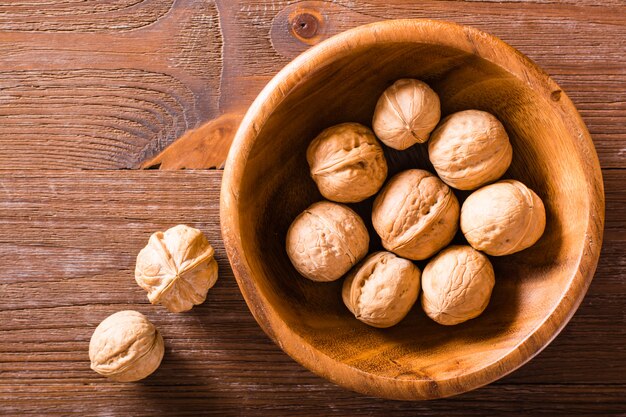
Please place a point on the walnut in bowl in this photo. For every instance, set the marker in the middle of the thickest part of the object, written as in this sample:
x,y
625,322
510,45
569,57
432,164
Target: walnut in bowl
x,y
406,113
457,285
347,163
326,240
381,290
503,218
415,214
470,148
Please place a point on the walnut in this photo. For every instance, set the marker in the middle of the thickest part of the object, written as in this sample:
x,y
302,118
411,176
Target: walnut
x,y
456,285
177,268
415,214
347,163
503,218
126,347
326,240
469,149
381,290
406,113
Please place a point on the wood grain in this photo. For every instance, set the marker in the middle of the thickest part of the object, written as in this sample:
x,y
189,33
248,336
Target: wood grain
x,y
203,48
109,84
81,16
558,36
204,147
91,99
321,400
72,237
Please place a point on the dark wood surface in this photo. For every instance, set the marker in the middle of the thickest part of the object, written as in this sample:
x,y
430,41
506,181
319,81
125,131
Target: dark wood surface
x,y
91,89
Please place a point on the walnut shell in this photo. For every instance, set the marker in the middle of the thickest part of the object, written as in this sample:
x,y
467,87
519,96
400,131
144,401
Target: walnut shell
x,y
326,240
381,290
406,113
415,214
503,218
469,149
457,285
347,163
126,347
177,268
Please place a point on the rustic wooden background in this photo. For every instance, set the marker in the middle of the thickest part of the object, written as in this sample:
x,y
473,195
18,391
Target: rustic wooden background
x,y
90,90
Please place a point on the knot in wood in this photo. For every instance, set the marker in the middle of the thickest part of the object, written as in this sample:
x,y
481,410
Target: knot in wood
x,y
305,25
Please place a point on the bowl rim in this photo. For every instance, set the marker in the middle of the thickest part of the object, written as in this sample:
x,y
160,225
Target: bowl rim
x,y
464,38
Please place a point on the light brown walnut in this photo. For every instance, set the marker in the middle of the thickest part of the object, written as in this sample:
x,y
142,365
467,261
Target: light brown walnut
x,y
326,240
406,113
457,285
381,290
347,163
177,268
503,218
415,214
126,347
469,149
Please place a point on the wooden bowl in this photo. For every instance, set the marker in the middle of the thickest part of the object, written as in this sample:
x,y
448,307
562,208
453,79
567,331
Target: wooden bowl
x,y
266,184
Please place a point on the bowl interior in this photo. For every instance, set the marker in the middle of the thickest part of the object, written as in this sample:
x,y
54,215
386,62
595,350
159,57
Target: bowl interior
x,y
276,186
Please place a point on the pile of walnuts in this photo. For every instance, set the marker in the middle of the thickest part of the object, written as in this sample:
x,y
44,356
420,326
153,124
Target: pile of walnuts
x,y
415,213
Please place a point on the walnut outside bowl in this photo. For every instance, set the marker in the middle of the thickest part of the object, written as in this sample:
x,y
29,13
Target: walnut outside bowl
x,y
266,184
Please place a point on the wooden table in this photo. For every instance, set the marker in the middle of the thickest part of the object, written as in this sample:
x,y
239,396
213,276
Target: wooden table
x,y
91,90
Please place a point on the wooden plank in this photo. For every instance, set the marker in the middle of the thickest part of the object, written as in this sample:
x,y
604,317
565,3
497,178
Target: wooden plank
x,y
72,238
128,78
572,41
214,397
94,84
101,96
81,16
